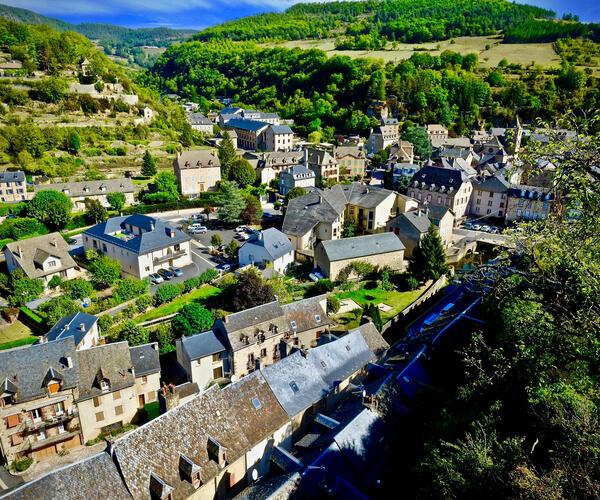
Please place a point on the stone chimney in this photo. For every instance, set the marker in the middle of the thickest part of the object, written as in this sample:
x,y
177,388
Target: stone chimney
x,y
20,251
305,161
171,397
82,327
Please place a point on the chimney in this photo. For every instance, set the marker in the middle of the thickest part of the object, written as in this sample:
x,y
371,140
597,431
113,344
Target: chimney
x,y
67,326
82,327
171,397
178,154
305,157
53,243
20,251
320,199
69,362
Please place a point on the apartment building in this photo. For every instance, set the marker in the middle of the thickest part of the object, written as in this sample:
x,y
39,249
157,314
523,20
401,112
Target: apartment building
x,y
197,171
13,187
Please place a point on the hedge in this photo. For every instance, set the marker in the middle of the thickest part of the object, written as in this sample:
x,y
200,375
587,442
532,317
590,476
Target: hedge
x,y
166,293
30,314
206,200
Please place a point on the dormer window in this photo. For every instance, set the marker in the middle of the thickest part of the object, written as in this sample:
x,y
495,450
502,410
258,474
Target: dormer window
x,y
66,190
294,387
53,387
216,452
104,385
317,318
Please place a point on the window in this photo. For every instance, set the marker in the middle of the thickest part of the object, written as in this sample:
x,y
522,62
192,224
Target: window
x,y
144,379
520,203
61,428
294,386
104,385
317,318
348,347
119,410
256,403
36,415
490,203
100,416
97,401
54,387
51,263
117,395
263,353
7,401
489,211
323,364
59,408
478,201
13,420
491,194
16,439
41,435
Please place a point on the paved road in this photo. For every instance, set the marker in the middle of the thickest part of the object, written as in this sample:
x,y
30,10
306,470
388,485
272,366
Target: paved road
x,y
482,237
8,482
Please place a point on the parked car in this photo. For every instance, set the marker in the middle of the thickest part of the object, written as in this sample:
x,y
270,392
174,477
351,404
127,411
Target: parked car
x,y
166,274
176,271
198,216
494,230
476,227
244,236
240,229
198,230
156,278
224,268
468,225
485,228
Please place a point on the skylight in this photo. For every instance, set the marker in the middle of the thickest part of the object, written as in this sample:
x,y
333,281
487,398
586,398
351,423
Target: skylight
x,y
323,364
347,347
256,403
294,386
293,323
317,318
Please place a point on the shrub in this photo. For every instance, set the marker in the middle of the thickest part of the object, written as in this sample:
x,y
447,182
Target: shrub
x,y
166,293
333,304
320,287
77,288
129,288
105,322
209,275
130,311
412,283
21,465
143,303
191,283
30,314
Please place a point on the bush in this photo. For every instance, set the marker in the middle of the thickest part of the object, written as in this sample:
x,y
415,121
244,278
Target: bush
x,y
143,303
21,465
166,293
130,311
333,304
209,275
129,288
31,315
191,283
77,288
320,287
105,322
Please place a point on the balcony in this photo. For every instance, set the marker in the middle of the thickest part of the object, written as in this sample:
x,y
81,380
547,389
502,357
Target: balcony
x,y
36,445
169,256
31,426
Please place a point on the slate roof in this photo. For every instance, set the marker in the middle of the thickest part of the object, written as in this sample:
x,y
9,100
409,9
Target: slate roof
x,y
278,158
304,313
320,157
30,369
156,447
202,158
69,326
298,172
89,188
377,344
448,177
530,192
295,370
243,124
342,151
275,243
493,184
198,119
110,361
202,344
8,176
153,239
361,246
281,129
93,478
145,359
337,360
436,212
52,244
410,221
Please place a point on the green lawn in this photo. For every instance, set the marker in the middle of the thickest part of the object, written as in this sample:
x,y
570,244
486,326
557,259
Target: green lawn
x,y
15,335
199,295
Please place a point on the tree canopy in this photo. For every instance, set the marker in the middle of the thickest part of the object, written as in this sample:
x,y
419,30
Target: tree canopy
x,y
52,208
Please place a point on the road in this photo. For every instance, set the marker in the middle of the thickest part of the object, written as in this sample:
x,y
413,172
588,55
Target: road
x,y
482,237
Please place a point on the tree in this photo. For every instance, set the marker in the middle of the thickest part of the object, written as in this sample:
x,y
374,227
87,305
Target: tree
x,y
74,142
333,304
128,288
166,183
105,271
78,288
231,201
163,335
232,249
54,282
58,308
386,284
52,208
191,319
249,291
429,258
295,192
133,334
148,164
95,212
24,288
227,154
419,139
253,211
242,172
349,227
216,240
116,200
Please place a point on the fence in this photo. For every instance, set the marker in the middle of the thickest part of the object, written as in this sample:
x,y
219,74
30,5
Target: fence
x,y
426,295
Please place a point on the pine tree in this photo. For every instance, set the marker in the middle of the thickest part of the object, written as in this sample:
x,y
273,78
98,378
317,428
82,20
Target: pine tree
x,y
429,258
149,165
227,154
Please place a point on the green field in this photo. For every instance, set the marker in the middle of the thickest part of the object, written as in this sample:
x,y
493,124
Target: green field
x,y
15,335
542,54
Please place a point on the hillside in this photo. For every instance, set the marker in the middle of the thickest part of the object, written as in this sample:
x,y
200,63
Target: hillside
x,y
369,24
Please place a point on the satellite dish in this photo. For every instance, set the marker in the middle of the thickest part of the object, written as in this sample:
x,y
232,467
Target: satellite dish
x,y
254,474
233,379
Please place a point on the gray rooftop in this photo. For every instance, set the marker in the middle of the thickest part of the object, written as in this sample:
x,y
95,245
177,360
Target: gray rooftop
x,y
295,383
361,246
439,176
354,151
491,183
89,188
307,313
202,344
28,370
70,326
275,243
200,158
297,172
9,176
251,125
411,221
281,129
377,344
198,119
145,359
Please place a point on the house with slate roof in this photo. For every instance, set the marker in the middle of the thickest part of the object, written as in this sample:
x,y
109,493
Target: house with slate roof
x,y
42,257
268,248
411,228
38,416
308,319
13,187
250,133
201,356
81,326
279,138
146,366
325,166
489,196
529,203
381,249
141,243
352,160
296,176
384,135
197,171
200,123
78,192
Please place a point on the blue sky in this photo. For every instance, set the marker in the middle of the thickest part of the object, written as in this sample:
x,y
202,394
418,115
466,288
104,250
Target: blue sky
x,y
201,13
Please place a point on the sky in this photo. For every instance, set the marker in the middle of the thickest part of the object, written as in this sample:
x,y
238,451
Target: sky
x,y
199,14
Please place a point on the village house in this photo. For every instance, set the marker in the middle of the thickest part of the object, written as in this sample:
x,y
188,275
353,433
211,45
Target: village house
x,y
146,365
489,196
279,138
381,249
296,176
42,257
269,165
371,207
200,123
386,134
197,171
81,326
141,243
146,113
443,219
352,161
437,134
325,166
38,417
402,152
268,248
250,133
13,187
11,68
527,203
308,319
444,187
78,192
201,356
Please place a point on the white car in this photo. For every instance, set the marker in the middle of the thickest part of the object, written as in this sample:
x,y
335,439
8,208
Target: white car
x,y
486,228
476,227
244,236
240,229
198,230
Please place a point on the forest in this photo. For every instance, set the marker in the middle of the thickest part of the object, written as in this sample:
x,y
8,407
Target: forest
x,y
550,31
332,94
396,20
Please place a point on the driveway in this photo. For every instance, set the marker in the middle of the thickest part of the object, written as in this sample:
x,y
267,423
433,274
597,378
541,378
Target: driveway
x,y
9,482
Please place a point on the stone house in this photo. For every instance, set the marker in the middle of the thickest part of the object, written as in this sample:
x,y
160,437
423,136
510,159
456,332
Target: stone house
x,y
200,123
443,219
382,249
529,203
279,138
268,248
489,196
78,192
201,356
42,257
269,165
386,134
352,161
371,207
146,365
81,326
325,166
296,176
437,134
250,133
146,113
308,320
402,152
197,172
13,187
141,243
38,417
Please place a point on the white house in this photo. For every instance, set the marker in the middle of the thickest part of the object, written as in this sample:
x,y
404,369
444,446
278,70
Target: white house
x,y
201,356
296,176
269,247
142,244
81,326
